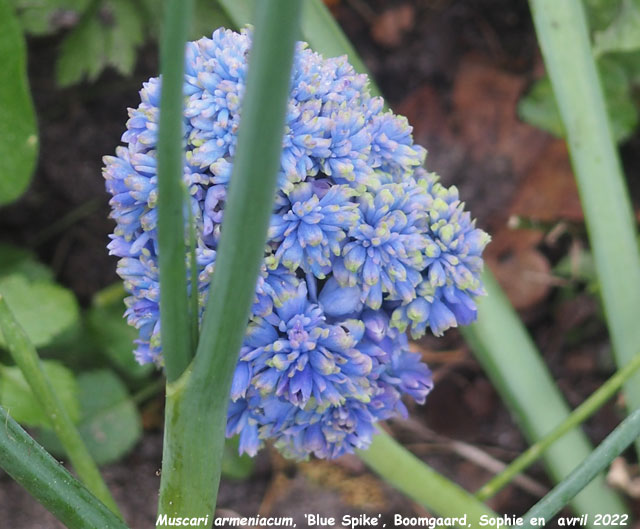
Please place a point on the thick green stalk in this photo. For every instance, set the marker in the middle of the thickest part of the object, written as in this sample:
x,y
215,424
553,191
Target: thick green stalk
x,y
197,401
401,469
564,39
505,350
25,356
600,458
174,312
577,417
49,482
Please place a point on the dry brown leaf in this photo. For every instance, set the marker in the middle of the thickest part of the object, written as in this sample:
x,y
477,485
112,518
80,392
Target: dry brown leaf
x,y
485,99
389,28
522,271
548,192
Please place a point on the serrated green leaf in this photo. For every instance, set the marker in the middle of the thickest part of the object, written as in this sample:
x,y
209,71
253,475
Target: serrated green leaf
x,y
623,34
15,260
83,51
44,17
18,134
113,336
153,11
16,396
45,310
124,35
109,420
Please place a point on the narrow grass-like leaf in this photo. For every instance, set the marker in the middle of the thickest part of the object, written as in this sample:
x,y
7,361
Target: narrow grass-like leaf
x,y
505,350
564,40
174,312
422,484
26,357
577,417
197,402
607,451
49,482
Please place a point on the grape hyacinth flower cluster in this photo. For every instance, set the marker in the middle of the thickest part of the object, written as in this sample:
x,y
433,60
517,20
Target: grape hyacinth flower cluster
x,y
364,244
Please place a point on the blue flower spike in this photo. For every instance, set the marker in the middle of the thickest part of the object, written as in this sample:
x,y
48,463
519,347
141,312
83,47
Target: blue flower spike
x,y
364,245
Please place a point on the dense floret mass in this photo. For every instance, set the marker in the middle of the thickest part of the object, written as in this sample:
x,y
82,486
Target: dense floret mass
x,y
364,244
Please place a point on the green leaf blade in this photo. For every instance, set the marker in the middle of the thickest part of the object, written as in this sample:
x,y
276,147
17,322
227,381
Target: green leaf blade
x,y
18,133
124,35
16,260
83,52
18,399
112,335
109,421
44,309
49,482
623,34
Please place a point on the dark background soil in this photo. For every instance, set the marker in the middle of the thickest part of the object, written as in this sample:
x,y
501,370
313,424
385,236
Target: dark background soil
x,y
456,69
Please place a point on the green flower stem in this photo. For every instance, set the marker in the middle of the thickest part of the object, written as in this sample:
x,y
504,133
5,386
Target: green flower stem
x,y
174,313
197,402
418,481
49,482
505,350
577,417
25,356
609,449
564,39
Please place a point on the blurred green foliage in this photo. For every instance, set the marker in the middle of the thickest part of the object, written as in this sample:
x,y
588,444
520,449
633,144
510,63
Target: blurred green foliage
x,y
104,33
44,309
109,420
19,145
16,396
110,334
99,401
90,363
615,35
